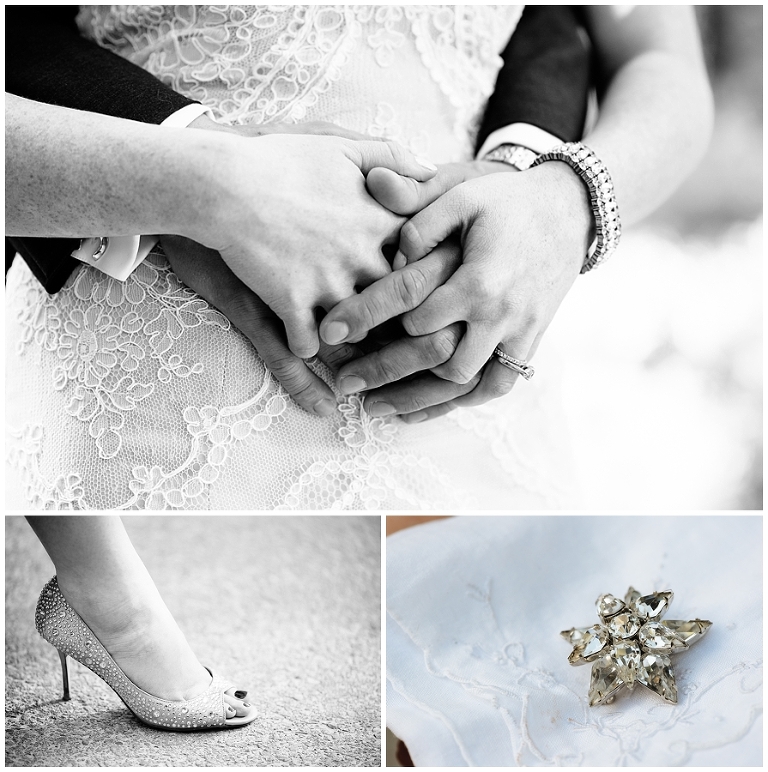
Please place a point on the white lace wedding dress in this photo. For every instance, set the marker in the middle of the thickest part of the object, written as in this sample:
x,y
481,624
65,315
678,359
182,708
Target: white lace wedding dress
x,y
139,395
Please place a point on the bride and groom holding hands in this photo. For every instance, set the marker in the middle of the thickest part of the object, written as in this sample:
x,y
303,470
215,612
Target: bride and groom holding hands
x,y
277,219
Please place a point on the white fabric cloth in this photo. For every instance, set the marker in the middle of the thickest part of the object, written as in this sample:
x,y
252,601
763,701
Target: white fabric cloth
x,y
477,672
522,134
122,256
139,395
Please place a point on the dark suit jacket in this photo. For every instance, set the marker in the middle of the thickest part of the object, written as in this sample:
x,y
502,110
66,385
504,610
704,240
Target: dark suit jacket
x,y
543,82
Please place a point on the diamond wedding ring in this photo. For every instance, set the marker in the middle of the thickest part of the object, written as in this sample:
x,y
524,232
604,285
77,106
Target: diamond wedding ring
x,y
519,366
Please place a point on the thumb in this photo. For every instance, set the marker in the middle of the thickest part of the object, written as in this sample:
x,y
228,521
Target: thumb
x,y
433,225
392,156
404,195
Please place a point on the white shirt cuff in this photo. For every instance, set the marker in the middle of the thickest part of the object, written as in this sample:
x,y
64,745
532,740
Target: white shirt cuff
x,y
182,118
125,253
121,257
523,134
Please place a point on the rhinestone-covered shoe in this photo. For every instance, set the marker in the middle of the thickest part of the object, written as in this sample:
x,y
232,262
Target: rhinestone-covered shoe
x,y
61,626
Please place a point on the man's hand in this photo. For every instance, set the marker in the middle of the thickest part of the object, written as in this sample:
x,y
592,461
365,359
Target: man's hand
x,y
203,271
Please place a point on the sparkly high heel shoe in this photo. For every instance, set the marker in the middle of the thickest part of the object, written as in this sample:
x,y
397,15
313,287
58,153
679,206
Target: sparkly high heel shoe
x,y
61,626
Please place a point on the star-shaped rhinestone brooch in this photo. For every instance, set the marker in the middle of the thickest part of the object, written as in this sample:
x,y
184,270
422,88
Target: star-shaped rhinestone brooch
x,y
632,645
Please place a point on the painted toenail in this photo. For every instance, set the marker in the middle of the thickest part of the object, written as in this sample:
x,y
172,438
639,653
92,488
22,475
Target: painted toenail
x,y
240,694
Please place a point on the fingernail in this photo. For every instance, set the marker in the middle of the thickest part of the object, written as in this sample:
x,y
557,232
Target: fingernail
x,y
379,409
426,164
351,384
415,418
399,261
335,332
324,407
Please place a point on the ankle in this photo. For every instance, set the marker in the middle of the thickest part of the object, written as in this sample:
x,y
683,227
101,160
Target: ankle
x,y
109,608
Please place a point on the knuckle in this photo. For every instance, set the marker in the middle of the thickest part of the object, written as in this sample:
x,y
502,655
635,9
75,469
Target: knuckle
x,y
487,288
458,372
441,345
339,355
410,237
411,286
295,379
510,303
415,325
416,402
287,370
385,369
500,388
395,150
368,311
246,310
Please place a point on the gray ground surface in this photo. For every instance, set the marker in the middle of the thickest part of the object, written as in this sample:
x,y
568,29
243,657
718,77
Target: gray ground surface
x,y
289,606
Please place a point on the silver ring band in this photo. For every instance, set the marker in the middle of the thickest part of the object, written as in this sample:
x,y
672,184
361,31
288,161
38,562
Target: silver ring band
x,y
519,366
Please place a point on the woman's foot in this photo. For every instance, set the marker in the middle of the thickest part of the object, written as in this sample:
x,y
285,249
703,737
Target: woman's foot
x,y
102,577
135,626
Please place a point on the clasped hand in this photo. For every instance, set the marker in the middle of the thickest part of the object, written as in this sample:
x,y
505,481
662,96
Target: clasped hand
x,y
485,260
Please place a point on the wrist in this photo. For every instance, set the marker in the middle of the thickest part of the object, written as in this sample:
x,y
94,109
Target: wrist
x,y
481,167
597,180
571,200
206,161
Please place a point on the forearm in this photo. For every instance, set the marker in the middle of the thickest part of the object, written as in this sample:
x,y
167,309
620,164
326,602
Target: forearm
x,y
77,174
654,125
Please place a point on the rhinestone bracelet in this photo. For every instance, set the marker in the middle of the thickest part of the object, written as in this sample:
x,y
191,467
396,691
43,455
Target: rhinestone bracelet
x,y
602,199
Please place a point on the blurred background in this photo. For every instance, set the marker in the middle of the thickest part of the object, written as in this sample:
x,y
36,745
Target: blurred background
x,y
670,416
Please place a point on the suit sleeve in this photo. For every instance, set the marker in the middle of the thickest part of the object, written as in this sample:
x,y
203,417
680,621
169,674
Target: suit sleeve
x,y
545,77
49,61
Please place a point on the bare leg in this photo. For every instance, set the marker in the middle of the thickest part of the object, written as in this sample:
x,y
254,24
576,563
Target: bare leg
x,y
102,577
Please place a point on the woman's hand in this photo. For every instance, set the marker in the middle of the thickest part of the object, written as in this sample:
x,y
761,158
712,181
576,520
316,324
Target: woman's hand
x,y
290,215
523,238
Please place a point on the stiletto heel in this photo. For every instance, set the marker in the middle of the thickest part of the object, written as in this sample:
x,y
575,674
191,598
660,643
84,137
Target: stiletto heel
x,y
64,675
62,627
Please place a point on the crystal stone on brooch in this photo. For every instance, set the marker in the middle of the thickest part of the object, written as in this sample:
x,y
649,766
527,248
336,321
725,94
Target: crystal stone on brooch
x,y
632,645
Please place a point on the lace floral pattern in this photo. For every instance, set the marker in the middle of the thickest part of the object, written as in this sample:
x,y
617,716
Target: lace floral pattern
x,y
104,338
265,64
124,357
140,395
64,492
